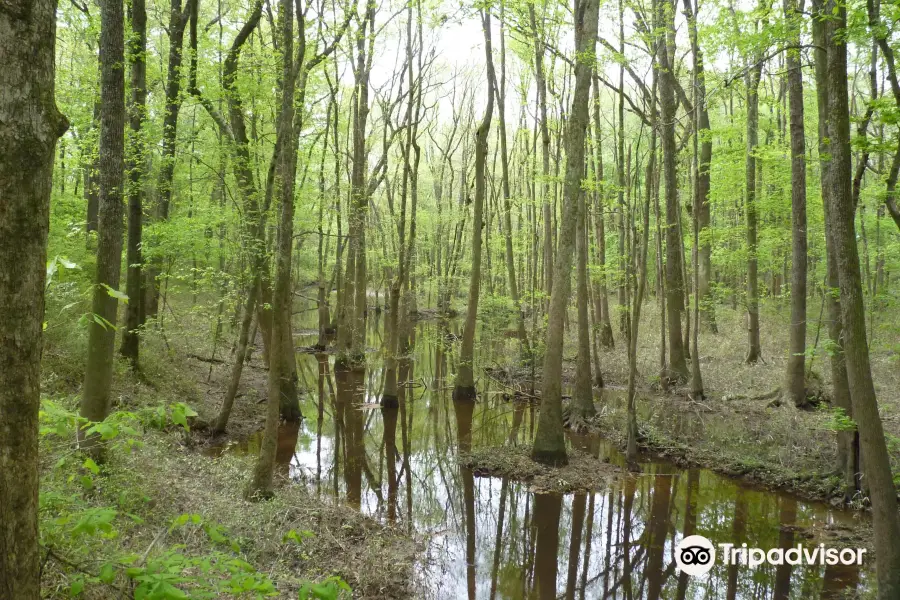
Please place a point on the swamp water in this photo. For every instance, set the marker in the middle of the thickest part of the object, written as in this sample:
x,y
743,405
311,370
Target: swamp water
x,y
490,537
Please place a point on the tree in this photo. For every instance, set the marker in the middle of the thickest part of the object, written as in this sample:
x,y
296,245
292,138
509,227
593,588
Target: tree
x,y
137,48
29,128
752,79
95,398
549,442
702,176
840,227
261,485
465,377
674,276
795,381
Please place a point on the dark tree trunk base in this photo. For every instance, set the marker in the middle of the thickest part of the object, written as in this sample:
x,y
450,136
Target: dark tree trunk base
x,y
550,458
466,393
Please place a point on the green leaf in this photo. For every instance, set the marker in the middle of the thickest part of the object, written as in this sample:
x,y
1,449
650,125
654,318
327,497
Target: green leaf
x,y
76,588
91,466
107,573
116,293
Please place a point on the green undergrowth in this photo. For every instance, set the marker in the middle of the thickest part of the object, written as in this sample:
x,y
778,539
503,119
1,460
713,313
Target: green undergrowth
x,y
158,520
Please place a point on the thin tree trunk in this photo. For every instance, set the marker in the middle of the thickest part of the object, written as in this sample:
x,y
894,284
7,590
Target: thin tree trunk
x,y
549,442
465,378
674,277
795,383
136,169
752,79
178,20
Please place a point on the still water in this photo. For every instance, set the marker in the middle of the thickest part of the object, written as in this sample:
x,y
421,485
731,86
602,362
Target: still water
x,y
489,537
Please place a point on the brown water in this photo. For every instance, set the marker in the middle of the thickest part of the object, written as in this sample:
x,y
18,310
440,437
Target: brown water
x,y
493,538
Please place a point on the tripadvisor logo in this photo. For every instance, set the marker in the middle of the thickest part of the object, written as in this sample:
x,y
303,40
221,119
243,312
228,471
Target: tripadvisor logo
x,y
695,555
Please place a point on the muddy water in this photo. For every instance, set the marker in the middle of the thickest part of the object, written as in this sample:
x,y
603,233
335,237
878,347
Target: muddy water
x,y
493,538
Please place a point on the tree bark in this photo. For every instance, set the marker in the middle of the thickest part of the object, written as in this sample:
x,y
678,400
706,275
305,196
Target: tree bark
x,y
549,442
674,277
848,440
752,79
280,366
795,383
29,127
465,378
840,227
541,81
136,167
95,398
178,20
701,193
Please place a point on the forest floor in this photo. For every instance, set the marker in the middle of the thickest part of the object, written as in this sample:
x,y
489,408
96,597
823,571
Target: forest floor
x,y
584,473
163,473
735,429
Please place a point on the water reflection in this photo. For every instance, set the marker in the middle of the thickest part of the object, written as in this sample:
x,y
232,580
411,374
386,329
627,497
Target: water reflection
x,y
493,538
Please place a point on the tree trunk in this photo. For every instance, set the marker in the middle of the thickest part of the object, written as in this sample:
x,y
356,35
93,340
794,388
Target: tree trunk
x,y
752,78
507,204
95,398
465,378
279,367
606,335
795,384
674,277
541,81
549,442
707,303
840,227
29,128
583,398
135,193
848,440
178,19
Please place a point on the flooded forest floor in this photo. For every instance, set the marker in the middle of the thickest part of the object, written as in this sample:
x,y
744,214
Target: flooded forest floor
x,y
441,500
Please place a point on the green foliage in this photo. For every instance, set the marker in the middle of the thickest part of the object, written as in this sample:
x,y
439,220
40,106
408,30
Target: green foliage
x,y
330,589
839,420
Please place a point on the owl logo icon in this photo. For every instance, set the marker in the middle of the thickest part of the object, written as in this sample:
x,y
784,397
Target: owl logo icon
x,y
695,555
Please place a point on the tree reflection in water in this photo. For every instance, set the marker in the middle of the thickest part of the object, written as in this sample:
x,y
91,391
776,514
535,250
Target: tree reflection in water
x,y
493,538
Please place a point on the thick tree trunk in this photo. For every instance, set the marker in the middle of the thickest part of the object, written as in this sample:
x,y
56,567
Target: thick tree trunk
x,y
352,310
840,227
549,442
136,168
95,398
795,383
847,441
29,127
